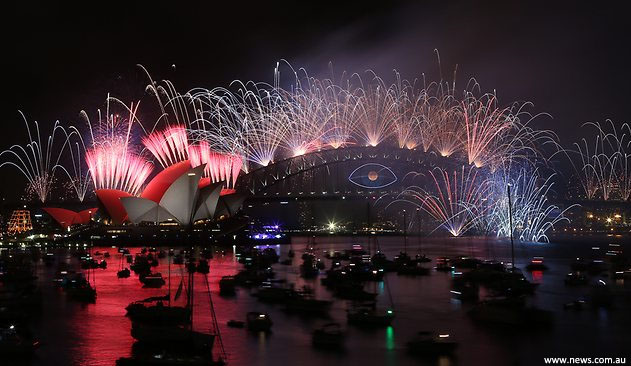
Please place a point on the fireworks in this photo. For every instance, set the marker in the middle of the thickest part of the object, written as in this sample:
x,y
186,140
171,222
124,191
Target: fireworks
x,y
248,122
532,215
484,124
262,123
36,161
603,166
457,200
169,146
378,111
79,178
250,125
110,159
219,167
113,167
342,111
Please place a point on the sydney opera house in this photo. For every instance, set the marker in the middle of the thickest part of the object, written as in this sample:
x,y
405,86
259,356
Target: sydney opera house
x,y
194,189
178,194
174,200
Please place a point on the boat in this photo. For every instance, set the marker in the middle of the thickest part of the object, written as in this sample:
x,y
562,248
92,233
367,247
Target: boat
x,y
622,274
601,295
273,295
575,305
306,304
353,292
207,253
596,267
443,264
466,262
13,344
511,312
235,324
337,255
78,288
82,292
329,335
412,269
227,285
579,264
380,261
536,264
141,265
165,334
429,344
309,268
575,279
49,259
258,322
152,280
465,291
191,267
62,277
367,317
162,359
159,334
422,258
203,266
158,313
123,273
356,250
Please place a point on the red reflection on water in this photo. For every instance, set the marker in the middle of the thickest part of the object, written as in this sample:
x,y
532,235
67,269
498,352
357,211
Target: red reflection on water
x,y
537,276
101,333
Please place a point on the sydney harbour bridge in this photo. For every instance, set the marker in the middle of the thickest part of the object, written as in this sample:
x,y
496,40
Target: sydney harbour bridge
x,y
343,172
339,184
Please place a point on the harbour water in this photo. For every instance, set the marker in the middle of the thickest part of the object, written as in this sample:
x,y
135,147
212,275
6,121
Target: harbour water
x,y
98,334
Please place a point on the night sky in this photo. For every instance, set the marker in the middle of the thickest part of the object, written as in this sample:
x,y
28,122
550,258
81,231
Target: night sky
x,y
572,61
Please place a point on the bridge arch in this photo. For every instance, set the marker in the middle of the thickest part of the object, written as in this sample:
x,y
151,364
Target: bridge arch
x,y
326,172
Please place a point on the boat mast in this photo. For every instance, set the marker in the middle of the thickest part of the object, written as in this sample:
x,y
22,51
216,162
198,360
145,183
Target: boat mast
x,y
418,218
169,261
405,232
215,323
190,295
369,233
510,220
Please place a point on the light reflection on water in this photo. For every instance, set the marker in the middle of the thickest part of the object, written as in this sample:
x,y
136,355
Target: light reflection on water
x,y
98,334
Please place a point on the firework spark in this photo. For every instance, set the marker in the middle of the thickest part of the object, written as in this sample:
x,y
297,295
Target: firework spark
x,y
168,146
533,216
36,161
110,159
219,167
603,166
457,201
79,178
484,124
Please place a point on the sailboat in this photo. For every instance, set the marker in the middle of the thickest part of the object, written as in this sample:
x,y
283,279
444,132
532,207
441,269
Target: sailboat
x,y
80,289
153,311
192,347
123,272
370,316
